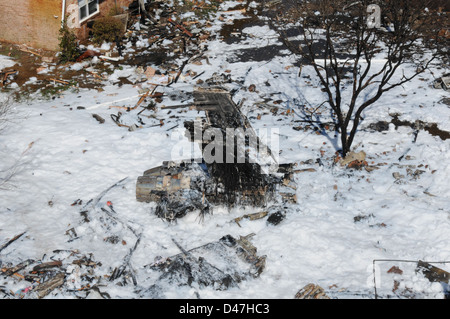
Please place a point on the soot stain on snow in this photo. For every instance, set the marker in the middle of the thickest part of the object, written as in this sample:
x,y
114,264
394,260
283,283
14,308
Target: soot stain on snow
x,y
252,19
265,53
228,30
232,34
431,128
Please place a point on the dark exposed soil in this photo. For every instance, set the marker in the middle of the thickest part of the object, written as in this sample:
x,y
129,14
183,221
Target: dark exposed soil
x,y
431,128
56,78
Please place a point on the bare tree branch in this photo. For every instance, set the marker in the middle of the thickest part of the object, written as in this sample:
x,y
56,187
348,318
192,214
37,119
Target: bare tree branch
x,y
338,30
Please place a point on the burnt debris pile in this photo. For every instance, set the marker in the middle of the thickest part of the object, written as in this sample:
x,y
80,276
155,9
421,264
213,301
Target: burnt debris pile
x,y
178,188
230,163
221,264
230,172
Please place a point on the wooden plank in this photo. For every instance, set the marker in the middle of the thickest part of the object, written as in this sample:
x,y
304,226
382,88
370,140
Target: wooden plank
x,y
104,57
175,106
11,241
59,81
28,51
4,76
47,287
19,267
47,265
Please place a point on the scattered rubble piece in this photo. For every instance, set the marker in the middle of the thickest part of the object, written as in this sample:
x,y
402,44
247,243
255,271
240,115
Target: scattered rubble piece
x,y
398,176
110,58
47,287
92,203
48,59
354,160
379,126
177,187
304,170
414,173
31,52
100,119
9,271
435,274
149,72
116,119
47,265
395,270
276,218
4,76
360,218
40,278
432,273
185,31
59,81
254,216
311,291
126,267
221,264
442,82
88,54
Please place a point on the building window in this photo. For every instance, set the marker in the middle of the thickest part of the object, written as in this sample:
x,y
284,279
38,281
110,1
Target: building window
x,y
87,8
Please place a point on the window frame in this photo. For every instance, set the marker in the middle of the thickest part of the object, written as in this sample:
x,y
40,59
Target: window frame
x,y
84,5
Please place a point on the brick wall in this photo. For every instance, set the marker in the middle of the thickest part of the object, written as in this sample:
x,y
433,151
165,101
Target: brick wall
x,y
36,23
32,22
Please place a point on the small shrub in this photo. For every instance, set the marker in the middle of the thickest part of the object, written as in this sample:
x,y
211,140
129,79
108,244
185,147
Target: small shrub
x,y
115,11
106,29
68,45
7,166
5,106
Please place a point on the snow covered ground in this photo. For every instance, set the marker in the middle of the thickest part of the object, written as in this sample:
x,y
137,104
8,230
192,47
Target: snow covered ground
x,y
344,220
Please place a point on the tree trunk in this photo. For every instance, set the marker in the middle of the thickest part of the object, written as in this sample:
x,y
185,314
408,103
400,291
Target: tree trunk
x,y
344,142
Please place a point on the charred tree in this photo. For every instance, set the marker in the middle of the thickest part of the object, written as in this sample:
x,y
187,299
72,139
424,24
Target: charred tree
x,y
366,43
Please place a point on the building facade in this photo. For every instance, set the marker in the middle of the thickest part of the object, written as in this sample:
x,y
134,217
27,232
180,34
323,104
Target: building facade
x,y
36,23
